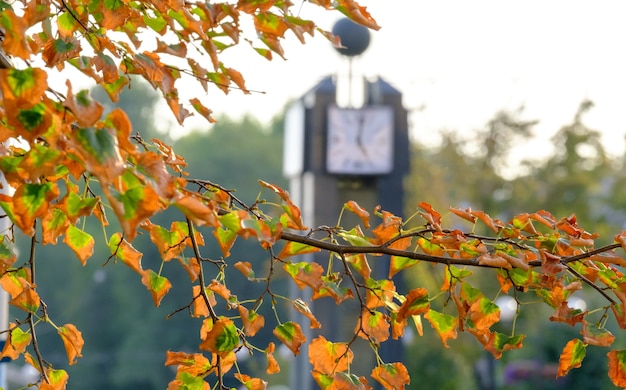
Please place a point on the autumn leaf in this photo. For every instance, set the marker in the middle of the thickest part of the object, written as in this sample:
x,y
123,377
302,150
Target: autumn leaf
x,y
219,289
195,364
359,211
124,251
272,364
27,300
72,341
379,293
444,324
252,321
245,267
291,335
373,326
199,307
86,110
430,215
392,376
219,337
57,380
7,255
595,335
484,313
305,274
497,343
359,263
157,285
617,367
417,302
340,381
356,12
328,357
80,242
202,110
16,342
15,26
572,356
31,201
303,308
293,248
331,288
251,383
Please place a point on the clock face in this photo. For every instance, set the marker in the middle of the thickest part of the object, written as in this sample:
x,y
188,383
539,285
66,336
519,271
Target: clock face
x,y
360,141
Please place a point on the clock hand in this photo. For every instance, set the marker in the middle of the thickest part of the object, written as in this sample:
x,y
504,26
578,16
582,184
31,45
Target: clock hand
x,y
359,134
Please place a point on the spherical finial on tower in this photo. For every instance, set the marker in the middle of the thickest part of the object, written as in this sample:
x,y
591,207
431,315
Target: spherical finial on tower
x,y
354,38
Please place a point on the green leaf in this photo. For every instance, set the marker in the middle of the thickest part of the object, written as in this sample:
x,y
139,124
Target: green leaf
x,y
499,343
99,143
291,335
190,382
33,117
35,197
355,238
444,324
80,242
157,285
220,337
21,81
67,23
157,24
296,248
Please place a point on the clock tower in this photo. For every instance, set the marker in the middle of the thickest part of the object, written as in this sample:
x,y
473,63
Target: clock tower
x,y
333,154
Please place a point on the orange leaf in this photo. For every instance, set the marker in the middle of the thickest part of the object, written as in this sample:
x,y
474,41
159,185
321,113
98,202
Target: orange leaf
x,y
57,380
305,274
551,264
417,302
195,364
373,326
617,368
594,335
72,341
86,111
572,356
219,289
219,337
14,43
251,383
272,364
291,335
292,248
200,308
27,300
16,342
303,308
487,220
328,357
393,376
465,214
252,321
245,267
359,211
430,215
157,285
124,251
357,13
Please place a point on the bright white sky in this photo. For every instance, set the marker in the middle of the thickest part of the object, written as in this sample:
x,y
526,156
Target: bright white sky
x,y
458,62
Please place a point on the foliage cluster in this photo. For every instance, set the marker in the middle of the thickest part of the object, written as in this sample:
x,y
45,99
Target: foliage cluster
x,y
66,161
